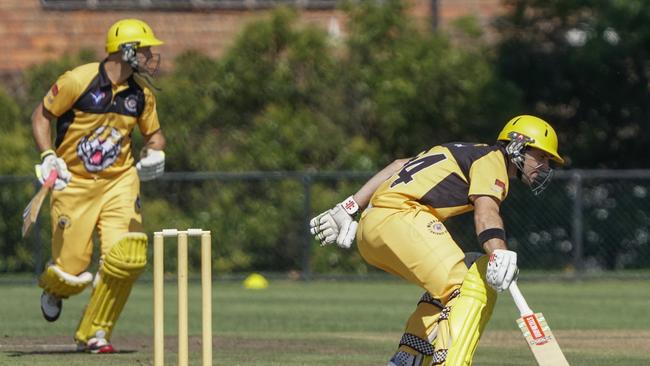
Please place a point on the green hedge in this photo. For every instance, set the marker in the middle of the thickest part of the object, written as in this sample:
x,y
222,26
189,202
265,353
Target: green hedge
x,y
286,96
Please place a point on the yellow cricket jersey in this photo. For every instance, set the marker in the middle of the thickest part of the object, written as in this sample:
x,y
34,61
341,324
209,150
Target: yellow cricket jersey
x,y
442,179
95,119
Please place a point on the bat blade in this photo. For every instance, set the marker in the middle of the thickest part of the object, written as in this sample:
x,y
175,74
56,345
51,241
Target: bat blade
x,y
538,334
30,213
541,341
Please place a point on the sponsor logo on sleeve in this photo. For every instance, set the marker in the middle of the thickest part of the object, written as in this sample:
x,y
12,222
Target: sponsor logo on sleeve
x,y
499,186
52,93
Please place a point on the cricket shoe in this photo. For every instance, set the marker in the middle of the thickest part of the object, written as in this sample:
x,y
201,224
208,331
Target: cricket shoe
x,y
402,358
96,344
51,306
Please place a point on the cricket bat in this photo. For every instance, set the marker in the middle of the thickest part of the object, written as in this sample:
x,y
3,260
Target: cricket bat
x,y
537,333
30,213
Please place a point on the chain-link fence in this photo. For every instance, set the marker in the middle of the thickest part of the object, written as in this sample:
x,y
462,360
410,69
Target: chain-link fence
x,y
585,222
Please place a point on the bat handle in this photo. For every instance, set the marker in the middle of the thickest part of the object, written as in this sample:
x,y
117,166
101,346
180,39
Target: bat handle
x,y
521,303
49,182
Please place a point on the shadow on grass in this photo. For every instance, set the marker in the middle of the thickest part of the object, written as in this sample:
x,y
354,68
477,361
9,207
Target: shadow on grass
x,y
49,352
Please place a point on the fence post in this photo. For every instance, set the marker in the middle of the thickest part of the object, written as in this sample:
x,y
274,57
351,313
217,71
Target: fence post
x,y
306,259
577,223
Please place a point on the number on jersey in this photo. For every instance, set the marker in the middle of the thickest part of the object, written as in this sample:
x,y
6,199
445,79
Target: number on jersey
x,y
416,165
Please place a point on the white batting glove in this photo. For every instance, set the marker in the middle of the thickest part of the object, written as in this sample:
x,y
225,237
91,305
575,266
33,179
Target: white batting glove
x,y
51,162
151,165
502,269
336,225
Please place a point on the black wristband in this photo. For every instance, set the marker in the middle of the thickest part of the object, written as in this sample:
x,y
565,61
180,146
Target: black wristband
x,y
492,233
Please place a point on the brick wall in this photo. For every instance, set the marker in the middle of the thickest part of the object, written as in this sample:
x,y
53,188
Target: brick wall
x,y
31,34
485,10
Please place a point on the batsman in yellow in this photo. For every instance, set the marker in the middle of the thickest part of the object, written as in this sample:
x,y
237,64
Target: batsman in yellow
x,y
402,232
96,107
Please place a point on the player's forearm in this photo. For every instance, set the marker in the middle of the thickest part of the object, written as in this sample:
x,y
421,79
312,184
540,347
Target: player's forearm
x,y
363,195
41,130
155,141
487,217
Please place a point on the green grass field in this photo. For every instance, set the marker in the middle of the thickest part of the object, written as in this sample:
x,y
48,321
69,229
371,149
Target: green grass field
x,y
331,323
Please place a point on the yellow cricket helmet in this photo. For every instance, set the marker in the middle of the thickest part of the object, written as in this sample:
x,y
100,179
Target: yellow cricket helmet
x,y
130,31
542,134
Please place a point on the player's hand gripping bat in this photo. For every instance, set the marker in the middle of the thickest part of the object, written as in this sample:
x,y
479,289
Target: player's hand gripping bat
x,y
30,214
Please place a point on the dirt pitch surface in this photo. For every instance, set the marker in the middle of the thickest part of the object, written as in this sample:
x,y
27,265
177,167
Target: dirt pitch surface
x,y
593,342
590,341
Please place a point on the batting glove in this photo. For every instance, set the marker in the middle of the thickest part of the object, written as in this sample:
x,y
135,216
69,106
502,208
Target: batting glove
x,y
502,269
151,164
336,225
49,162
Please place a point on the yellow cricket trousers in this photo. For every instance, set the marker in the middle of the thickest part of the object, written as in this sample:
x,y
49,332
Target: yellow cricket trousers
x,y
412,244
112,206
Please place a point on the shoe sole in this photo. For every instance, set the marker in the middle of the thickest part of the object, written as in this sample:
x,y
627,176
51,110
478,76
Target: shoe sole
x,y
51,318
103,350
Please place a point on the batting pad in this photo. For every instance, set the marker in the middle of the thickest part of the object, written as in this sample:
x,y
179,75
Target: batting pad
x,y
119,270
62,284
469,313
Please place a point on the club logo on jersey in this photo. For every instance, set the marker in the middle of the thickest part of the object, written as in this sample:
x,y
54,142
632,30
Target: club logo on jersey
x,y
131,104
97,97
55,90
63,222
100,149
437,228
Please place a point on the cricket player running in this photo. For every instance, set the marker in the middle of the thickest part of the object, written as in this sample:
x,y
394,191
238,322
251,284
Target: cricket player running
x,y
96,107
402,232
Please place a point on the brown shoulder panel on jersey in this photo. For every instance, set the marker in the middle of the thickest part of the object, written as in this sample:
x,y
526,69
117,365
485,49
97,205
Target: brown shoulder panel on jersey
x,y
466,153
62,125
449,192
98,97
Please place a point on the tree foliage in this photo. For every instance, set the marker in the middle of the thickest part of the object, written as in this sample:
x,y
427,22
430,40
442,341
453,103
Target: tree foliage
x,y
15,139
288,96
408,90
583,64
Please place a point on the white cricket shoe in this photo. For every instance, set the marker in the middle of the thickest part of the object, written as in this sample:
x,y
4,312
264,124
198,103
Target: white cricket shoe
x,y
97,344
51,306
